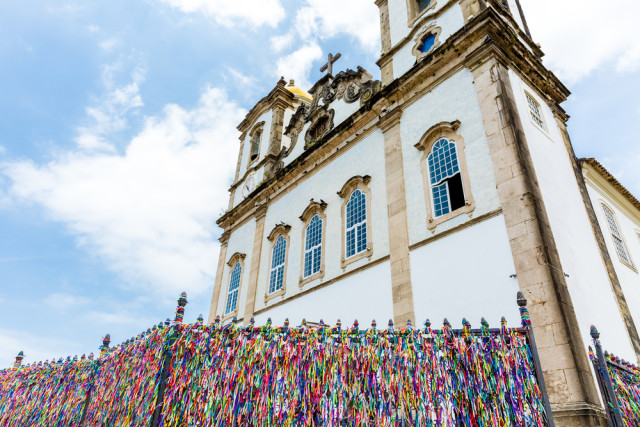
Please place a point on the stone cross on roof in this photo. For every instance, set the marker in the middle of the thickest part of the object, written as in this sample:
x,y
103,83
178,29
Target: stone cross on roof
x,y
328,67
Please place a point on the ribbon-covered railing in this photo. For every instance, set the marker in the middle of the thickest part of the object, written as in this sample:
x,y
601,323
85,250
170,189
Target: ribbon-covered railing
x,y
303,376
222,375
48,394
125,390
619,383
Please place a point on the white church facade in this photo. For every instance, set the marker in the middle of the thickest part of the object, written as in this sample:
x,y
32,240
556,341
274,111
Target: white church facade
x,y
439,191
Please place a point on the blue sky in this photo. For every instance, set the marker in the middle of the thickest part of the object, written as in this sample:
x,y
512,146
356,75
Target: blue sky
x,y
117,140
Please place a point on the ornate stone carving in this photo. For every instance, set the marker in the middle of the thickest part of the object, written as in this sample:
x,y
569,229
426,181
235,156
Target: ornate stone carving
x,y
322,123
295,127
349,85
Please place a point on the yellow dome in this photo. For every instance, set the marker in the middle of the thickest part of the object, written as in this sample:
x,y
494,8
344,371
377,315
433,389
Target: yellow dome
x,y
291,87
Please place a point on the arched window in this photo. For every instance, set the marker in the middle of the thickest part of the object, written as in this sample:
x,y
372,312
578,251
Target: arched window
x,y
357,237
445,178
356,230
234,286
447,185
278,257
313,238
618,241
313,247
255,145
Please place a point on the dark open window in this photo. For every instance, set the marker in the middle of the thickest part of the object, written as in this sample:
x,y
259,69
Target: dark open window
x,y
255,145
319,129
423,4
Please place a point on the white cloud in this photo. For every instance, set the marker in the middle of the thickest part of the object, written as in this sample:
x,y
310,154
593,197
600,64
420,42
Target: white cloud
x,y
227,13
298,64
580,35
2,149
240,79
319,20
62,302
324,19
109,44
280,43
109,113
150,212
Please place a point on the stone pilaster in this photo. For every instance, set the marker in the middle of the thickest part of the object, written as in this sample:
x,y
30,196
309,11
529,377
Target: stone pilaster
x,y
256,253
470,8
217,286
568,377
386,68
402,291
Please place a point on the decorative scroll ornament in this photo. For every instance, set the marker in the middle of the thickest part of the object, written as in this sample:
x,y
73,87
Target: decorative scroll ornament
x,y
349,85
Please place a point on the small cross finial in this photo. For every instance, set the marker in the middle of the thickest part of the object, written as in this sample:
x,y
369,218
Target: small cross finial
x,y
328,67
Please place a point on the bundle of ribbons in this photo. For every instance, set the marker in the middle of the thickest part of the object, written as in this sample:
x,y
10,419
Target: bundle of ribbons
x,y
626,386
125,390
287,376
264,376
48,394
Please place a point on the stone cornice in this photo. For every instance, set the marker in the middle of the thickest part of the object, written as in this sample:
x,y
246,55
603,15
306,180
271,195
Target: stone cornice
x,y
390,119
279,96
602,178
486,36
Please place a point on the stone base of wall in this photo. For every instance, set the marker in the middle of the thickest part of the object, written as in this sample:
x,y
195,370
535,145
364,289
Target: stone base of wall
x,y
579,415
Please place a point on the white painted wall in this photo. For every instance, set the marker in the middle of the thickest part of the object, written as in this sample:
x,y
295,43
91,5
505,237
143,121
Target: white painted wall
x,y
515,13
630,230
588,281
398,18
364,158
299,148
454,99
365,296
343,110
241,240
466,274
450,22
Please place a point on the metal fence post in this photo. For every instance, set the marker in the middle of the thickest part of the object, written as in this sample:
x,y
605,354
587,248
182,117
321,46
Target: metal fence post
x,y
18,361
104,350
166,360
526,324
613,410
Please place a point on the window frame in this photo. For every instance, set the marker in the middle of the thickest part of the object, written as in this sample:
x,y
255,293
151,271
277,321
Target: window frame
x,y
448,130
356,183
236,258
605,206
314,208
431,29
414,13
528,98
281,230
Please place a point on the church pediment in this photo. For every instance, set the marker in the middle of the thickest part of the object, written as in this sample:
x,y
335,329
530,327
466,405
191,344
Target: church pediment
x,y
349,85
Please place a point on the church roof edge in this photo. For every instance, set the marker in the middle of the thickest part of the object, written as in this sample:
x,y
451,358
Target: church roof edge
x,y
597,166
